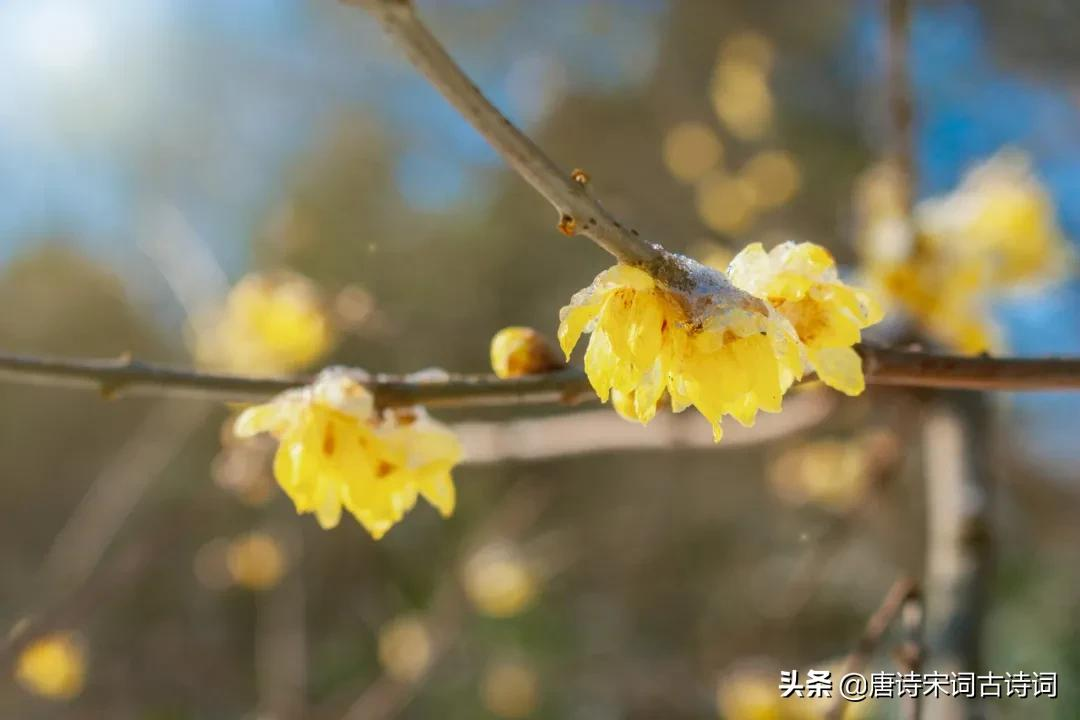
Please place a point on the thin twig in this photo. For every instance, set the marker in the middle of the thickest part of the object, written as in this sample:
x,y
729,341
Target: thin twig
x,y
882,366
901,98
113,376
876,626
910,653
902,126
579,213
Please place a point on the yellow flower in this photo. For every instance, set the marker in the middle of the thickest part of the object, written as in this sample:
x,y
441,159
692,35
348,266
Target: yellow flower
x,y
498,581
712,346
801,282
751,693
405,648
255,561
1003,216
336,451
995,233
269,324
518,351
53,666
829,473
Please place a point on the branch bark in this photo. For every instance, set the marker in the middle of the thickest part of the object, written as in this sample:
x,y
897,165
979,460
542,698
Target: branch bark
x,y
882,366
579,212
895,599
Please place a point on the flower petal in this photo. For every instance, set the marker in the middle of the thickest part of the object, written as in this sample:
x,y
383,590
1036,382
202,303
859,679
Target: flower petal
x,y
839,368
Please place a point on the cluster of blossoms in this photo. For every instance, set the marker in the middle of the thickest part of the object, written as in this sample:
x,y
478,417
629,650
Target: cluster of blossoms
x,y
726,343
995,234
336,450
731,344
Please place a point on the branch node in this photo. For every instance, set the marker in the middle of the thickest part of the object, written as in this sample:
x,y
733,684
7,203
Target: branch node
x,y
567,225
580,177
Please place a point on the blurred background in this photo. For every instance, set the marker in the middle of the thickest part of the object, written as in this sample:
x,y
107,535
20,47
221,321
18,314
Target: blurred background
x,y
154,154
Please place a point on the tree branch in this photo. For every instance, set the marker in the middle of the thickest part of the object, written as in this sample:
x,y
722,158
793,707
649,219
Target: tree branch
x,y
112,376
882,366
579,213
900,592
901,99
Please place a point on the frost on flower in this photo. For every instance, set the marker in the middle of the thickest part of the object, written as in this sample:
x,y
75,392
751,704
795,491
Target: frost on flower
x,y
712,345
801,282
995,234
336,451
268,325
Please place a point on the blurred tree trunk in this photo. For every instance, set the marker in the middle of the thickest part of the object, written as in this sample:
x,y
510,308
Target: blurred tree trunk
x,y
959,491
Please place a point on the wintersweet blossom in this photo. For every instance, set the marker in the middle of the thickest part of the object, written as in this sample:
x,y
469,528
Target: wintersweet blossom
x,y
498,580
405,648
711,345
336,451
269,324
750,693
1002,214
995,234
255,561
53,666
801,282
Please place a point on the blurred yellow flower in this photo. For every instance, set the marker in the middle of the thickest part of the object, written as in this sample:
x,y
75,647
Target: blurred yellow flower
x,y
774,177
335,450
741,97
712,346
749,47
801,282
255,561
269,324
498,581
726,203
405,648
510,688
994,234
691,149
753,694
829,473
1002,214
518,351
53,666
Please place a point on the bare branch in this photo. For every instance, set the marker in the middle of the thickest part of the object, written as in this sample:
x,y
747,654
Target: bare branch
x,y
879,622
882,366
911,653
579,213
901,98
113,376
912,368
